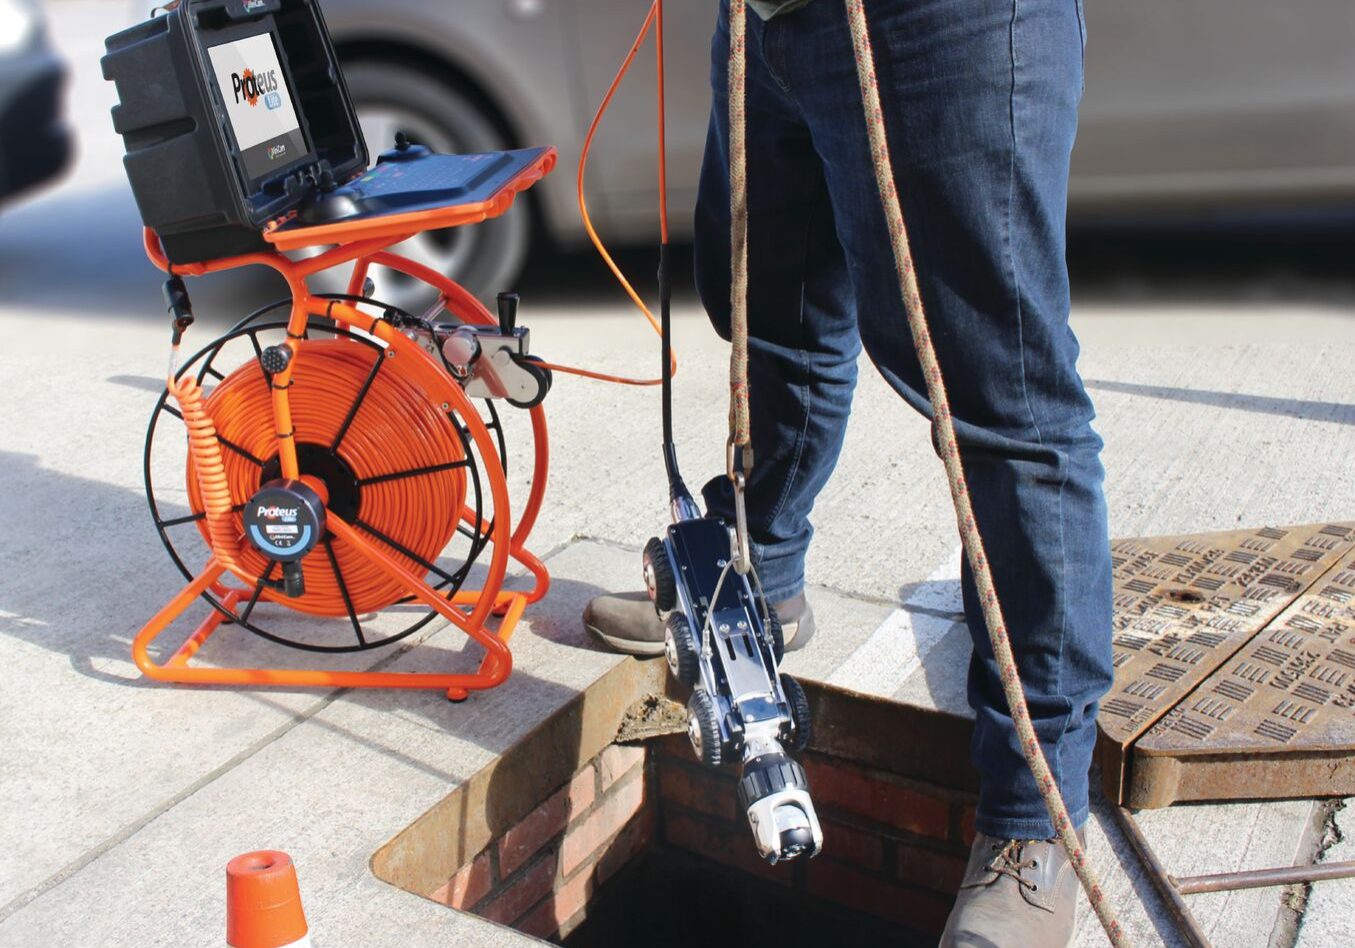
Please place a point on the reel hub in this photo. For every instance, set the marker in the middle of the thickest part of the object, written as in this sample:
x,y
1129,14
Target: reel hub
x,y
285,520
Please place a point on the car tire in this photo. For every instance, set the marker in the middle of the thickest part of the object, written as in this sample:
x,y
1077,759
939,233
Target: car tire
x,y
486,257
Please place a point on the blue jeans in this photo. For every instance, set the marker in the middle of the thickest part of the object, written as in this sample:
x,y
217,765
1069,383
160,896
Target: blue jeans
x,y
980,101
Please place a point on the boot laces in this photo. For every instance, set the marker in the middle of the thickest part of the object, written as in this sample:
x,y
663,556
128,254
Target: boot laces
x,y
1009,862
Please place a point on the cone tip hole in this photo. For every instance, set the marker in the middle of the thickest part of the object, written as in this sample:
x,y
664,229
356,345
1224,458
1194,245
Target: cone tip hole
x,y
259,862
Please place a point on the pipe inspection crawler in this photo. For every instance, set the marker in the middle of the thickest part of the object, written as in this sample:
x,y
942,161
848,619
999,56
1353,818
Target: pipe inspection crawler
x,y
721,638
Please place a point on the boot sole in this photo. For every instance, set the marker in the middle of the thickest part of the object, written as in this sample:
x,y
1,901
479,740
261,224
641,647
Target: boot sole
x,y
626,646
642,649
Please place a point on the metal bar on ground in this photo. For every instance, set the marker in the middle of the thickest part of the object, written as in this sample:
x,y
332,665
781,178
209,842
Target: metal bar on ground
x,y
1262,878
1162,881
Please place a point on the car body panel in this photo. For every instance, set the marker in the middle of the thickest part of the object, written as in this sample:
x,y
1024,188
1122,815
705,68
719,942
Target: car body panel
x,y
35,144
1197,106
626,161
519,61
1217,103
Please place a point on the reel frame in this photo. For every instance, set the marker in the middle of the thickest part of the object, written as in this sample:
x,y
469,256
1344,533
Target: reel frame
x,y
503,534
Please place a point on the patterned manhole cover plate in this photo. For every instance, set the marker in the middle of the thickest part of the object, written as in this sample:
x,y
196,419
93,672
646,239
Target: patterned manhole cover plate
x,y
1224,644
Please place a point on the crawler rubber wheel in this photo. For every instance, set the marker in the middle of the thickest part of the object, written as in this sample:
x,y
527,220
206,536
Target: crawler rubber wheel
x,y
703,728
680,648
543,377
659,580
799,713
776,634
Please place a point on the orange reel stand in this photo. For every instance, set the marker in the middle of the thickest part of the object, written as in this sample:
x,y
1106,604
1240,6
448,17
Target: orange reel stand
x,y
364,242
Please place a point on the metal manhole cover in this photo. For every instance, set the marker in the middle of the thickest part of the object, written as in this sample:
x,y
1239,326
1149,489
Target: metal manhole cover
x,y
1224,644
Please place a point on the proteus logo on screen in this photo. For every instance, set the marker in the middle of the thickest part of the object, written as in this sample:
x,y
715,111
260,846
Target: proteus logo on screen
x,y
249,74
249,86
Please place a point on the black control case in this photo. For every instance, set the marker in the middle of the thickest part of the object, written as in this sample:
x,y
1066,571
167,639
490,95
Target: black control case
x,y
187,174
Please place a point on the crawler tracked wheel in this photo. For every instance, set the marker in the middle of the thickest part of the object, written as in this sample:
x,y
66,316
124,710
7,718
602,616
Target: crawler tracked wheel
x,y
703,728
680,648
659,580
799,713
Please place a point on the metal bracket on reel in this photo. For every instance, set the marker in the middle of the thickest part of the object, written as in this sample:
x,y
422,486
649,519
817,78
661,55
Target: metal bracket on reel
x,y
487,361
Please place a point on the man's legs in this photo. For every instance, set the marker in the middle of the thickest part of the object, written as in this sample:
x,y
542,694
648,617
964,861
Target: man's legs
x,y
803,342
980,100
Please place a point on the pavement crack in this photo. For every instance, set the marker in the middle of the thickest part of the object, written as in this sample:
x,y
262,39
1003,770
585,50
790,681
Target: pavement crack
x,y
1323,833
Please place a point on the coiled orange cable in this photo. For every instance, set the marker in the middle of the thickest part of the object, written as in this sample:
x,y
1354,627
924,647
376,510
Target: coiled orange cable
x,y
220,527
398,428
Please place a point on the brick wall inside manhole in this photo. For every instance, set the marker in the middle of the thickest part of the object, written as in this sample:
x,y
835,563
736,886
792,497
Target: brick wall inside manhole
x,y
642,846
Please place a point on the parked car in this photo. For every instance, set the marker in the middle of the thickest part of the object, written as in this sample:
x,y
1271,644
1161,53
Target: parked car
x,y
1194,108
34,142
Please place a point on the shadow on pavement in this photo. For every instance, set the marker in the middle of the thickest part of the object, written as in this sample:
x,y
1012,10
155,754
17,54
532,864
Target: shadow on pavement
x,y
1286,263
125,576
1296,408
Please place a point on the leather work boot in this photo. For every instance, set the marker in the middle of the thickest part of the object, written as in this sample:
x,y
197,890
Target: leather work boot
x,y
626,622
1016,893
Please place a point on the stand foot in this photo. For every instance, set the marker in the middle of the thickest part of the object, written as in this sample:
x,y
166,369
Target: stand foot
x,y
457,695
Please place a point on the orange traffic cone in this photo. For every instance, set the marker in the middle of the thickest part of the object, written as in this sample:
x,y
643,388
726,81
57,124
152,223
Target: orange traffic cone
x,y
263,903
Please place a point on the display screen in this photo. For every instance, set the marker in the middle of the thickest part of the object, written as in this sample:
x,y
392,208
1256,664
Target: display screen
x,y
258,103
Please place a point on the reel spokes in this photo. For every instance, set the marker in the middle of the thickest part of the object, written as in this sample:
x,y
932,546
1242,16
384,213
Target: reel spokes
x,y
397,467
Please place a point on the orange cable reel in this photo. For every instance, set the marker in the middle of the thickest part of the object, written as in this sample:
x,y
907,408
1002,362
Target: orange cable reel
x,y
394,455
400,464
396,428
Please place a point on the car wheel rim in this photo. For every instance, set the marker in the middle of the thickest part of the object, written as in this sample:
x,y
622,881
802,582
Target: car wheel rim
x,y
445,250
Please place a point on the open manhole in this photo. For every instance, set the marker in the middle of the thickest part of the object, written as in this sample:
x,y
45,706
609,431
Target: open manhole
x,y
1235,678
587,843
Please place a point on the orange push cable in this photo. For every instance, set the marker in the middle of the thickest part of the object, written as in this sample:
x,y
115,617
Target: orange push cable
x,y
655,19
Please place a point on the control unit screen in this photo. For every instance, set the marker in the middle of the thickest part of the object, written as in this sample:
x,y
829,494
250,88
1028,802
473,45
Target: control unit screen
x,y
258,103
